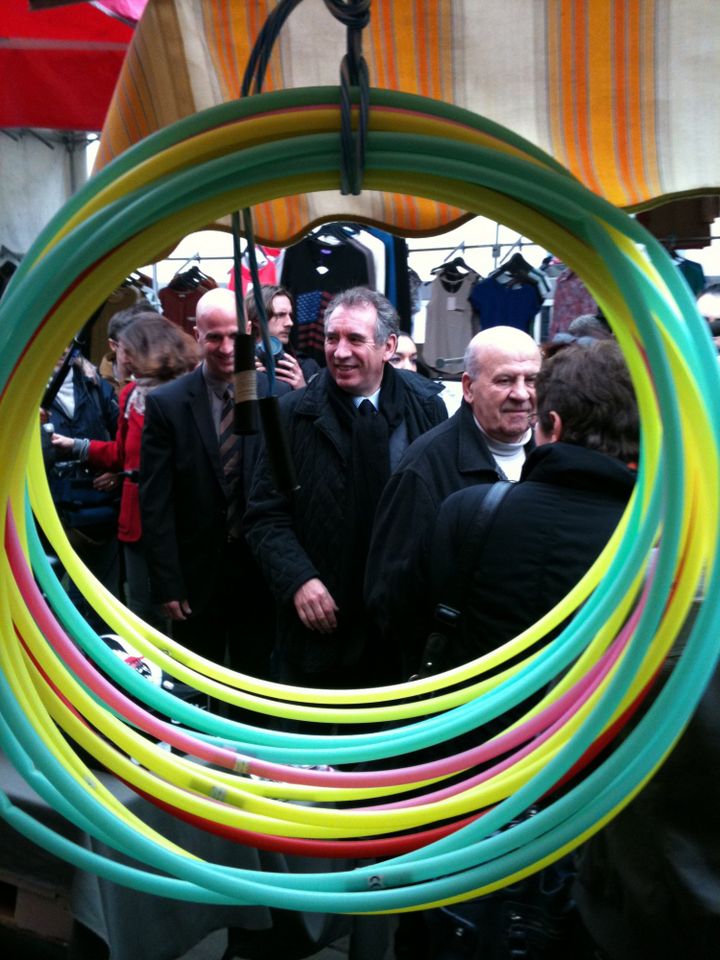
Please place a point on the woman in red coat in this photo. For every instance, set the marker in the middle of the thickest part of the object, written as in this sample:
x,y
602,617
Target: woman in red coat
x,y
155,351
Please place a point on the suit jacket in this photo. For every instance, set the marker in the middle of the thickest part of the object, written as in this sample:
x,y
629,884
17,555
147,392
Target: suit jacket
x,y
184,495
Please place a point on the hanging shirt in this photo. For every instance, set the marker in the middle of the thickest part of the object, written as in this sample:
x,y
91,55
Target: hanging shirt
x,y
314,271
449,324
511,304
376,246
388,241
572,299
269,263
178,303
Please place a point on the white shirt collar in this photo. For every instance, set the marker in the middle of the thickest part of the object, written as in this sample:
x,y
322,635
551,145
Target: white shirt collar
x,y
373,398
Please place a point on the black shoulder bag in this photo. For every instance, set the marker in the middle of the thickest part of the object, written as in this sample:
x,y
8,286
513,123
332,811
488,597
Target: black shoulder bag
x,y
454,583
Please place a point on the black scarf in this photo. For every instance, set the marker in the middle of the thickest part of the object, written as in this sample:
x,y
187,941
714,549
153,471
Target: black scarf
x,y
368,468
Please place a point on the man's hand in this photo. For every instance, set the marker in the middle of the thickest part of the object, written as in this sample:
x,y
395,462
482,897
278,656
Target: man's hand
x,y
289,371
177,609
316,607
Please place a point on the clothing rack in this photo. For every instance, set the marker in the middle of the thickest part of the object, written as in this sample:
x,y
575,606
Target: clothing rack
x,y
497,248
473,246
199,257
682,242
460,248
195,258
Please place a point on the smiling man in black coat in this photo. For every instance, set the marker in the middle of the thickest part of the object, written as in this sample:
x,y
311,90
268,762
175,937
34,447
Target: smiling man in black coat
x,y
346,430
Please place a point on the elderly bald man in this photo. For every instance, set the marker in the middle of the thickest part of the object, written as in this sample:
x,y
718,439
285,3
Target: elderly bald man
x,y
486,440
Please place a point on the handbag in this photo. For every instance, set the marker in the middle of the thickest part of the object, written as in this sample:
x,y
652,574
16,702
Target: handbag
x,y
79,505
450,579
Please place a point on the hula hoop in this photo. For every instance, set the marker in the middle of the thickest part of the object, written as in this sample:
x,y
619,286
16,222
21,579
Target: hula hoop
x,y
451,840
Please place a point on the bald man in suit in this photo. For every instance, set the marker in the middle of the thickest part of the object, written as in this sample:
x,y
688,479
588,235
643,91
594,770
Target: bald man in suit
x,y
192,497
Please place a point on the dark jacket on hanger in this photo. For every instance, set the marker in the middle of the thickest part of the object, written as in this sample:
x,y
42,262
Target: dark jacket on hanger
x,y
314,272
180,297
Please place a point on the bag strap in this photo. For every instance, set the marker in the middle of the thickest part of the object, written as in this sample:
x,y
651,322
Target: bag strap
x,y
454,582
457,587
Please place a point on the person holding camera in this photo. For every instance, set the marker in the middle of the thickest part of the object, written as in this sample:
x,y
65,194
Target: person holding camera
x,y
154,351
83,404
296,371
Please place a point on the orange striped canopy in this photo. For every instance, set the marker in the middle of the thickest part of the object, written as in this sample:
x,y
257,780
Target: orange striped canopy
x,y
622,92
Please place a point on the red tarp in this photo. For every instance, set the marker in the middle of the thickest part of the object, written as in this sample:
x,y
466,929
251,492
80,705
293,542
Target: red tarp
x,y
58,67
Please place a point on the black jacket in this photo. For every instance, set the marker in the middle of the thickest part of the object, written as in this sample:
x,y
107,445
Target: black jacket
x,y
295,540
449,458
183,494
648,885
544,536
96,406
95,417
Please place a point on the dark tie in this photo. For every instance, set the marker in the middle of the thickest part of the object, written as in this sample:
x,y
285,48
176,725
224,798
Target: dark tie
x,y
229,443
370,466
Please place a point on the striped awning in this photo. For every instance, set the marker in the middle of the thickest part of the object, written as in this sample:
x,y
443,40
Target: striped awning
x,y
621,92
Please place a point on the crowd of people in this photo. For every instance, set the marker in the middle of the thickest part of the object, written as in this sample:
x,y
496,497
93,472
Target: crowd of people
x,y
406,525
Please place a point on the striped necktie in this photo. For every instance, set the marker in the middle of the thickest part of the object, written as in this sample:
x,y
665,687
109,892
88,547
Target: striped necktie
x,y
229,443
227,438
